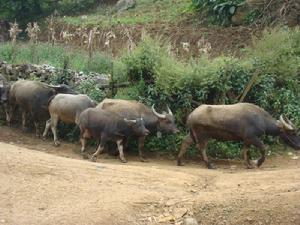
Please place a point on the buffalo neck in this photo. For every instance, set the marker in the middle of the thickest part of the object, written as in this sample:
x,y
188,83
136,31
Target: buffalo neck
x,y
272,127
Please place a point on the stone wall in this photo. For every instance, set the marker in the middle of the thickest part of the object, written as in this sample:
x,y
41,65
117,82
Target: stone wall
x,y
46,73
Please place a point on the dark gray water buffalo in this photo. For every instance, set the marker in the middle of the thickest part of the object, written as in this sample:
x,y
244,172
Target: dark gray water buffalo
x,y
67,108
4,94
154,121
108,126
33,97
239,122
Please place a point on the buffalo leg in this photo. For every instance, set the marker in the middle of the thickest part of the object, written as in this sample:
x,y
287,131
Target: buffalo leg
x,y
83,144
24,120
47,127
141,149
99,150
54,122
121,153
37,132
186,143
201,147
246,156
257,143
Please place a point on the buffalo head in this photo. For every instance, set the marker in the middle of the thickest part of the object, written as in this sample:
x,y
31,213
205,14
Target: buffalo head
x,y
63,89
137,126
288,133
4,92
166,121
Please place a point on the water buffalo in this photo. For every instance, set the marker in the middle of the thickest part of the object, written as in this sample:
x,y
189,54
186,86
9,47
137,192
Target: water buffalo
x,y
4,94
65,107
108,126
33,97
154,121
238,122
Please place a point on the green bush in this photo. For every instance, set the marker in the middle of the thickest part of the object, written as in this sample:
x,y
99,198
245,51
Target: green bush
x,y
222,10
277,52
141,63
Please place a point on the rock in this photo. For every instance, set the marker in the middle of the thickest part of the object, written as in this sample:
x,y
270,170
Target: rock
x,y
179,212
123,5
190,221
167,219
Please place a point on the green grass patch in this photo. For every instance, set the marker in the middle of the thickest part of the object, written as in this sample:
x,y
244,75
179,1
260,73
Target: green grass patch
x,y
145,12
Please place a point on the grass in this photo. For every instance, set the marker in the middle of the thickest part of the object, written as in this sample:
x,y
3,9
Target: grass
x,y
145,12
56,56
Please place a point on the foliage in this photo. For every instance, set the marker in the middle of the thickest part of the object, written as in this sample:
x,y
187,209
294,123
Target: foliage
x,y
26,11
142,61
56,56
222,9
277,52
145,12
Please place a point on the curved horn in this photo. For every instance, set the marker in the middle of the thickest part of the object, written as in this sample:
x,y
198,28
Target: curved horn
x,y
285,124
162,116
289,122
169,111
126,120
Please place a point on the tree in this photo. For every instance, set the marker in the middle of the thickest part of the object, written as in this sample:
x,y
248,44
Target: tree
x,y
25,11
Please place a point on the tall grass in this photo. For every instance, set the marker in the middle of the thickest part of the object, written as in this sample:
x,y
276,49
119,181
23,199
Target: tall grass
x,y
56,56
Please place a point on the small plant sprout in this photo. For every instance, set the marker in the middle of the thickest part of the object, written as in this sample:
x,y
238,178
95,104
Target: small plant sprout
x,y
204,46
186,46
130,43
32,32
82,34
67,37
108,37
14,31
93,32
51,30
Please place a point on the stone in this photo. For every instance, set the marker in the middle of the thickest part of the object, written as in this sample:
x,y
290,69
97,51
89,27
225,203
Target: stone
x,y
123,5
190,221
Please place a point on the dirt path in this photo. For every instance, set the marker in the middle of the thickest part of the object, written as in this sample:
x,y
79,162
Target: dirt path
x,y
41,188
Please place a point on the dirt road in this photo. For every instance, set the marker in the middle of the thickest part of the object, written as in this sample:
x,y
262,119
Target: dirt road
x,y
41,188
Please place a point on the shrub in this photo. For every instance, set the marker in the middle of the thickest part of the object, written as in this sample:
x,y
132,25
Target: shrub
x,y
222,10
277,52
142,61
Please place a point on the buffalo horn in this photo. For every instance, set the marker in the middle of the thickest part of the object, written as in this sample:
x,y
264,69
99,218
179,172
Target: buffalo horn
x,y
285,124
162,116
169,111
126,120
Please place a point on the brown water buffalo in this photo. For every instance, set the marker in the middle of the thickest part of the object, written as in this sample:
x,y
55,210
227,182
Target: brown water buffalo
x,y
108,126
67,108
33,97
239,122
154,121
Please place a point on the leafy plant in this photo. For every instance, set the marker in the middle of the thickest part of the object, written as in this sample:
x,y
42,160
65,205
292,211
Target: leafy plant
x,y
222,9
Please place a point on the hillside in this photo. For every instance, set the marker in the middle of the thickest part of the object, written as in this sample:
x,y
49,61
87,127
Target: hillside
x,y
186,30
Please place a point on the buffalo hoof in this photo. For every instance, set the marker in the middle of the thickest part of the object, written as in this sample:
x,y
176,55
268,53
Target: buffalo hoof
x,y
56,143
249,166
94,159
211,166
44,138
179,163
142,159
260,162
123,160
